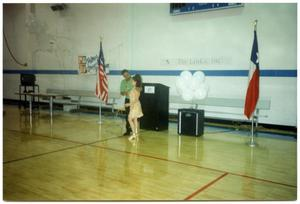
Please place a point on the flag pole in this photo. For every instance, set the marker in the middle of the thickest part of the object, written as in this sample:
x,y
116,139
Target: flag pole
x,y
252,143
100,104
100,121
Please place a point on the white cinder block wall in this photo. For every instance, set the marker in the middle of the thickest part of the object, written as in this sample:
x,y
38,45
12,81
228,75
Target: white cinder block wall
x,y
145,37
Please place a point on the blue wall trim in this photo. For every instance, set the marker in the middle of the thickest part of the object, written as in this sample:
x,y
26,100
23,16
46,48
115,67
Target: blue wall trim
x,y
39,71
222,73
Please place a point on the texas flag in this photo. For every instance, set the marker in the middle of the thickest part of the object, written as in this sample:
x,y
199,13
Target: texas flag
x,y
253,86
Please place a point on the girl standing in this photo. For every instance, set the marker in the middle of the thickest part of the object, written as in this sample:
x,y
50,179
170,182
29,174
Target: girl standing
x,y
135,106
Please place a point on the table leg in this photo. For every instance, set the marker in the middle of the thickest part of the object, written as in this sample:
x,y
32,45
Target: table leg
x,y
51,107
51,128
78,105
30,110
25,96
19,104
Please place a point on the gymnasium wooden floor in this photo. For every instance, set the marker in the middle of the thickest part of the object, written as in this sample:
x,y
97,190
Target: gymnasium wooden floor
x,y
77,159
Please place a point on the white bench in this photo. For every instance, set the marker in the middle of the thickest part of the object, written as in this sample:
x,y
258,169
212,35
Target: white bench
x,y
235,103
83,97
88,98
222,102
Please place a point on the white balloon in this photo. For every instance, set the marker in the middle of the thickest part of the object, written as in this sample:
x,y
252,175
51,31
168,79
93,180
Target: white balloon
x,y
205,87
192,86
178,88
186,75
200,76
181,85
187,95
195,84
201,94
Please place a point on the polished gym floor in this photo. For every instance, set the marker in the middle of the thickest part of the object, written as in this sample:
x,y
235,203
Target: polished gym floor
x,y
75,158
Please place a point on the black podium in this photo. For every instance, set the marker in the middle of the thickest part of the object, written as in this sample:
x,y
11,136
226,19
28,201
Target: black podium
x,y
155,105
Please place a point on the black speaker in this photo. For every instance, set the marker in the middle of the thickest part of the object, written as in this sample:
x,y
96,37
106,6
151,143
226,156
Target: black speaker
x,y
155,105
190,122
28,79
58,7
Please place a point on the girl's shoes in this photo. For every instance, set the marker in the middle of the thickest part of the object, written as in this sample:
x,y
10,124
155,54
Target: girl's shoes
x,y
132,137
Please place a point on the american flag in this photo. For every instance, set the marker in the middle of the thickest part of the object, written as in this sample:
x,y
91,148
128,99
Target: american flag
x,y
253,85
101,84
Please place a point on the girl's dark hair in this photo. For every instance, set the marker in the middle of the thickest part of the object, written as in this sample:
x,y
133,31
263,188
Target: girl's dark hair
x,y
138,79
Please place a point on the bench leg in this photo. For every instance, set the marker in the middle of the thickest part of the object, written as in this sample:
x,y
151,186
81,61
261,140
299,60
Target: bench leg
x,y
19,104
30,111
78,105
51,107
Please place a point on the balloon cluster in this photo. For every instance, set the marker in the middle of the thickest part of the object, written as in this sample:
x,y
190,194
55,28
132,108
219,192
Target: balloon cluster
x,y
192,86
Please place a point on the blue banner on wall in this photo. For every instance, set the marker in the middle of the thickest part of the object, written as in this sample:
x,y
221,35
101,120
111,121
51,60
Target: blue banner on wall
x,y
182,8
